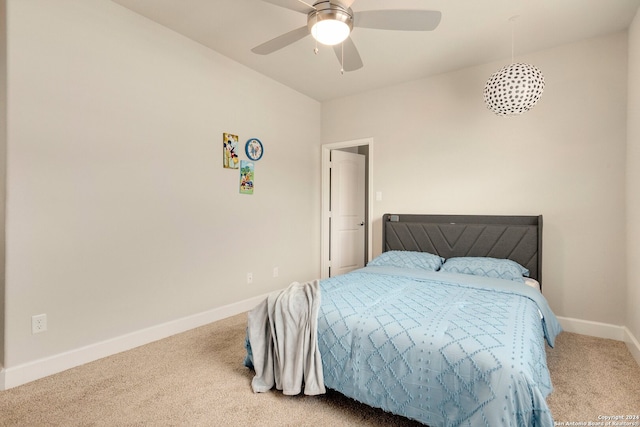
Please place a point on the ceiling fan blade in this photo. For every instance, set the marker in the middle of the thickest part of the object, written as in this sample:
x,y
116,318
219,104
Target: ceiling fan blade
x,y
403,20
345,3
281,41
352,60
301,6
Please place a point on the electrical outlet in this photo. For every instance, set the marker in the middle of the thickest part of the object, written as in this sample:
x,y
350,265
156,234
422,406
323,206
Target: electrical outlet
x,y
38,323
249,278
275,272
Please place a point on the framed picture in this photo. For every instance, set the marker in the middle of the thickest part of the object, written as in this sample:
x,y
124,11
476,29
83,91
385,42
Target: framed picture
x,y
247,170
254,149
230,151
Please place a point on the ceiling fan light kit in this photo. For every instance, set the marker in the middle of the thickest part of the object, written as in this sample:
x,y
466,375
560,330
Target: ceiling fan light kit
x,y
330,24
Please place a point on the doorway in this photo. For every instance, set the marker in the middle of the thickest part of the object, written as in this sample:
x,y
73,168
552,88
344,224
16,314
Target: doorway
x,y
356,255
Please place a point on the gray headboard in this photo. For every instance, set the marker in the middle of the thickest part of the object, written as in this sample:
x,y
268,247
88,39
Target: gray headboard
x,y
518,238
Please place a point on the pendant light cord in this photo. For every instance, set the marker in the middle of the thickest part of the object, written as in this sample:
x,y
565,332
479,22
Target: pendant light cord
x,y
512,43
513,20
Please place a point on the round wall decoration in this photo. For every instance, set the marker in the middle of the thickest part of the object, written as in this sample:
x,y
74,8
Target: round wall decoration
x,y
514,89
254,149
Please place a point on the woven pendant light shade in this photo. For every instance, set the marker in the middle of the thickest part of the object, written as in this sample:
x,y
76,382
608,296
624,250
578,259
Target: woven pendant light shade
x,y
514,89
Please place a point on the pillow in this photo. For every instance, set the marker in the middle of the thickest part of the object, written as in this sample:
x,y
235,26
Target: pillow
x,y
408,259
484,266
532,282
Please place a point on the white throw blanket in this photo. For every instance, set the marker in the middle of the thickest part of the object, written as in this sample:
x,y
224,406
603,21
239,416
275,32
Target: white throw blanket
x,y
283,333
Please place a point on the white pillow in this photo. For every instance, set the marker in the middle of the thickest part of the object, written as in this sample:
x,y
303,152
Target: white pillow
x,y
532,282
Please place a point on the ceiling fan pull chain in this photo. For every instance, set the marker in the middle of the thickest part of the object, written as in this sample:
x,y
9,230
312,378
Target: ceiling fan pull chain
x,y
315,50
342,59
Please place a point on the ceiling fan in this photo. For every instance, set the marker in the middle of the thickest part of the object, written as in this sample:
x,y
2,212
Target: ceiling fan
x,y
330,22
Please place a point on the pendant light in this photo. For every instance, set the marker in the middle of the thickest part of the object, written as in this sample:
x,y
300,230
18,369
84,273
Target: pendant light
x,y
514,89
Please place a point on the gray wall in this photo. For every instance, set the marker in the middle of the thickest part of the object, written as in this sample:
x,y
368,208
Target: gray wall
x,y
119,213
633,182
3,163
437,149
120,216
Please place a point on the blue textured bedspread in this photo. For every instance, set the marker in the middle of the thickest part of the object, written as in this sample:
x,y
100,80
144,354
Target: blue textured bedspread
x,y
444,349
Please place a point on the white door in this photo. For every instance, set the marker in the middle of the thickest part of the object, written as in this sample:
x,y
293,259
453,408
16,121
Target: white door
x,y
347,212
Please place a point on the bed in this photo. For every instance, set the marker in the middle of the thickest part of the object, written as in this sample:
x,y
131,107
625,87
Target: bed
x,y
440,328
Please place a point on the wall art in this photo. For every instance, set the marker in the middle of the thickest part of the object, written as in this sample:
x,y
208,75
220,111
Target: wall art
x,y
247,176
230,151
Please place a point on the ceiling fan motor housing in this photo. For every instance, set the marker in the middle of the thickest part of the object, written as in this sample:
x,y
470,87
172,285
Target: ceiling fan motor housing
x,y
330,13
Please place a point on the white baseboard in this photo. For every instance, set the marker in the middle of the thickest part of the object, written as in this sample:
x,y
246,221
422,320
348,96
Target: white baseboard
x,y
603,330
594,329
22,374
632,344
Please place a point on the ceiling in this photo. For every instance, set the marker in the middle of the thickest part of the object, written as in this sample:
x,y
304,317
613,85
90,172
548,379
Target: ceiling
x,y
471,32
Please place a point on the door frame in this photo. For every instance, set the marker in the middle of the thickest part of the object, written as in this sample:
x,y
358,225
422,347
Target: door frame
x,y
326,195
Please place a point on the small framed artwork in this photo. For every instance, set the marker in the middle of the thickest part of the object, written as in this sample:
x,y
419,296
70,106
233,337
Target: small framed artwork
x,y
247,175
254,149
230,151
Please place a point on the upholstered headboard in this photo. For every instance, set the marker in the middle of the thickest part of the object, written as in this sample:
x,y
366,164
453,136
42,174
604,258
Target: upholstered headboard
x,y
518,238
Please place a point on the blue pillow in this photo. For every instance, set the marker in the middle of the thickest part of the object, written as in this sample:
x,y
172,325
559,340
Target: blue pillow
x,y
489,267
408,259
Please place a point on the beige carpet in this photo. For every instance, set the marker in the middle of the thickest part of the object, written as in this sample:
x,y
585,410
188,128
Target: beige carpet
x,y
197,379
